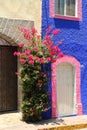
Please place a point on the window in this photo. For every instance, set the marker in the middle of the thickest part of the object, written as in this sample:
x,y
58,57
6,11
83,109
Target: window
x,y
66,9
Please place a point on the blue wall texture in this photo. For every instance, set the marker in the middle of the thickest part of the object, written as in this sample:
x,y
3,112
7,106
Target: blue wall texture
x,y
74,34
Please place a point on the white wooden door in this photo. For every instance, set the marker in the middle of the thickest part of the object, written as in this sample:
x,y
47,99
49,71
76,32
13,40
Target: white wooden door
x,y
65,89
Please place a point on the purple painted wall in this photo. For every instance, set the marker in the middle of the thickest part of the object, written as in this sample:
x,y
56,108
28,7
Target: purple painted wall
x,y
74,34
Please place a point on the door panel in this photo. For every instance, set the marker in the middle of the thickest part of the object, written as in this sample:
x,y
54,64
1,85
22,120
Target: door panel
x,y
8,79
65,89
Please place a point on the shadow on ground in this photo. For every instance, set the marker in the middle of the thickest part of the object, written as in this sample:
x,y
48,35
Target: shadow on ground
x,y
50,121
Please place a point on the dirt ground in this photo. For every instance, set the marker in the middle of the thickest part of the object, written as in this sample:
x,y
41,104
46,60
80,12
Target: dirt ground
x,y
12,121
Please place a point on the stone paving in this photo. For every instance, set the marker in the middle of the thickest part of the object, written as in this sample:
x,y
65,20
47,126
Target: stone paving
x,y
12,121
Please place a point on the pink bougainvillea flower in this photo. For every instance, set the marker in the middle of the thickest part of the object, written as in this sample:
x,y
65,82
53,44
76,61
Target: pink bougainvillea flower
x,y
60,54
27,52
54,60
28,44
23,29
48,58
23,54
55,49
27,36
47,38
52,52
18,53
56,31
30,57
36,58
34,31
42,60
50,43
22,61
48,30
21,45
46,109
46,43
31,62
44,74
15,53
17,73
36,49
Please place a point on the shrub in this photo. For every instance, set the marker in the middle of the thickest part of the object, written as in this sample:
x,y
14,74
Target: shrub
x,y
32,56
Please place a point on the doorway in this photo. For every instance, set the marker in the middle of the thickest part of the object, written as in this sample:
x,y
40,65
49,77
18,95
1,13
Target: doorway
x,y
8,79
65,89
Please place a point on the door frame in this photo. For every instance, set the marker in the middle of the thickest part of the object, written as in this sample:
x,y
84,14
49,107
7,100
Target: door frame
x,y
73,61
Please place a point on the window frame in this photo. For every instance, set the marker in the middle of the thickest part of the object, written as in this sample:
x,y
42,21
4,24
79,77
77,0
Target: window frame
x,y
66,17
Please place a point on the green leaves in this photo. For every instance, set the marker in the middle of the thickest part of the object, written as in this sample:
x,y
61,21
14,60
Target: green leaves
x,y
32,56
33,94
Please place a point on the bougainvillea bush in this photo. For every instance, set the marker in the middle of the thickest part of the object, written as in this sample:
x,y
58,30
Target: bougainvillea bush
x,y
33,55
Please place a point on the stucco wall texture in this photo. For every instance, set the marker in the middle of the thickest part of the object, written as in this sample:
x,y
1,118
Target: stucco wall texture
x,y
74,34
21,10
24,9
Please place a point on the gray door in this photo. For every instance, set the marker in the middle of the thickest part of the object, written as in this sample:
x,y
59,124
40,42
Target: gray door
x,y
65,89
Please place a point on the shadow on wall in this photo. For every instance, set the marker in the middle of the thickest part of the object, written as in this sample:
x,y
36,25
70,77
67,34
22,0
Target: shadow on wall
x,y
68,24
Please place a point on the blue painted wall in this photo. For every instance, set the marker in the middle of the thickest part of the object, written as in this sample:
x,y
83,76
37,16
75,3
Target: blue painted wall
x,y
74,34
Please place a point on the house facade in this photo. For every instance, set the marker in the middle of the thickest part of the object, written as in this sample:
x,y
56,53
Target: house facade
x,y
13,14
24,10
68,85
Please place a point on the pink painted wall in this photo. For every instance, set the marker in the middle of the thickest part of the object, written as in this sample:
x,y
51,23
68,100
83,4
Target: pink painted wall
x,y
76,64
